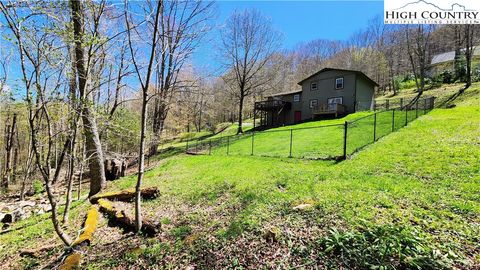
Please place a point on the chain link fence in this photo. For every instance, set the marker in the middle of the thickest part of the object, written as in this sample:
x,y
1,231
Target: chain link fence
x,y
329,142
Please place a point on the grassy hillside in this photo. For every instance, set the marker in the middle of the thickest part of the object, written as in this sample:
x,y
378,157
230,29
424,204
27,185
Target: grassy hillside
x,y
411,200
318,139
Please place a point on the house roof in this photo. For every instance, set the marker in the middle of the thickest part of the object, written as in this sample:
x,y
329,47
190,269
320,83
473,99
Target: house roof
x,y
285,93
349,70
443,57
450,56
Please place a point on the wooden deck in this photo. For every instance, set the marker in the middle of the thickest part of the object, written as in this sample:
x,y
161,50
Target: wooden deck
x,y
324,109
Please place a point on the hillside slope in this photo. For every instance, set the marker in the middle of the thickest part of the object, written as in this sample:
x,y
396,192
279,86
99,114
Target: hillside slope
x,y
410,200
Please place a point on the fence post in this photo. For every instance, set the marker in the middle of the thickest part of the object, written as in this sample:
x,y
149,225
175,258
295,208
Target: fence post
x,y
186,148
406,115
416,109
345,128
291,138
253,139
374,127
401,103
228,143
210,147
387,104
393,119
425,106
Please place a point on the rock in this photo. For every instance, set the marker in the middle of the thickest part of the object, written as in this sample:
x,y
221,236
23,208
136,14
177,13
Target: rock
x,y
26,203
46,208
7,218
19,214
8,208
303,206
2,215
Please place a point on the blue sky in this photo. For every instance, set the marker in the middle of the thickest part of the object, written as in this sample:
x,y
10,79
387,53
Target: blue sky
x,y
299,21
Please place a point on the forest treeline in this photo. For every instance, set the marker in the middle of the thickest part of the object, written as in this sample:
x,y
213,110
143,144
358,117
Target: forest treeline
x,y
86,82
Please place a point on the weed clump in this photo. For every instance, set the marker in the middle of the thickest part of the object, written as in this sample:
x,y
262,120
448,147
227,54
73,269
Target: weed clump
x,y
382,247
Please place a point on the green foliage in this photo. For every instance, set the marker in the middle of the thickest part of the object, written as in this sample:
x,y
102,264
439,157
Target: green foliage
x,y
155,253
37,186
29,263
382,247
446,77
416,189
182,231
460,67
404,82
476,73
122,132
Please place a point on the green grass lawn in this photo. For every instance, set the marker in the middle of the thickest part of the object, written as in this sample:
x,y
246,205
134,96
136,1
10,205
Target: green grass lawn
x,y
316,139
409,201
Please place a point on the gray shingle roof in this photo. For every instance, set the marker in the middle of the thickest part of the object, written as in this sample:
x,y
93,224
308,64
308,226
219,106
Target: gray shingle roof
x,y
450,56
285,93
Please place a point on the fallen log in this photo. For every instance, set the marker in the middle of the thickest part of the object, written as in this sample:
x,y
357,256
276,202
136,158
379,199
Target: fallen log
x,y
127,195
89,227
120,218
73,259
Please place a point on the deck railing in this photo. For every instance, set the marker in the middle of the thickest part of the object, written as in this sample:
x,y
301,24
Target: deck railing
x,y
331,108
270,104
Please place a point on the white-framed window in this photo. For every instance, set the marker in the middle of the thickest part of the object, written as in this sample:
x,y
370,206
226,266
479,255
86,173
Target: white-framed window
x,y
334,100
296,98
339,83
313,103
313,86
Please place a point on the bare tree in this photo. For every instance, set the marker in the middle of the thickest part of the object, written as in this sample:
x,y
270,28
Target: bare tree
x,y
470,31
418,41
10,131
182,25
83,72
248,42
37,53
145,83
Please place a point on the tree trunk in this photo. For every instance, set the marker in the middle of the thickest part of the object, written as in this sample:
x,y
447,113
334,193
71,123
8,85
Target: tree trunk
x,y
469,49
240,110
27,172
9,142
141,165
71,170
93,149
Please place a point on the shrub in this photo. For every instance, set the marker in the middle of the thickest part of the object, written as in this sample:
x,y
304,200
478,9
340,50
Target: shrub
x,y
446,76
37,186
181,231
476,73
381,247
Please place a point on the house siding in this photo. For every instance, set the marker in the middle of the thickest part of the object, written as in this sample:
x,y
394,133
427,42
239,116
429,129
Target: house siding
x,y
357,94
326,90
365,94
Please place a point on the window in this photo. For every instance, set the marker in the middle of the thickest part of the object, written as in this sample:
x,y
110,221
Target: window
x,y
339,83
313,86
332,101
337,100
296,98
313,103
